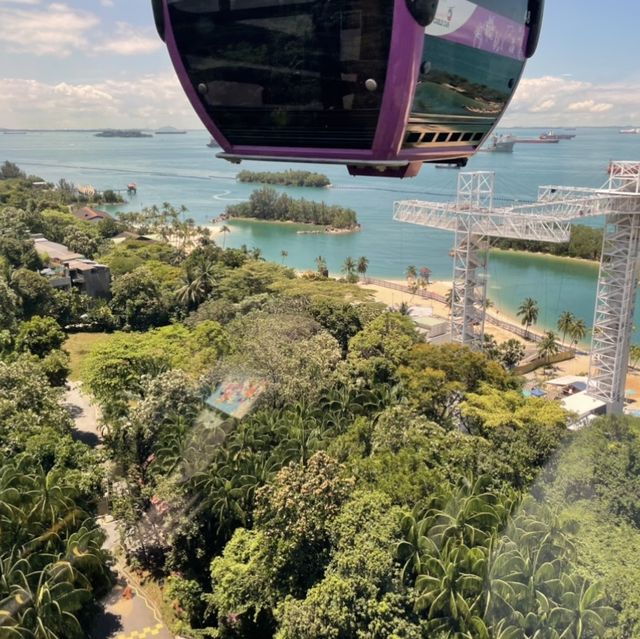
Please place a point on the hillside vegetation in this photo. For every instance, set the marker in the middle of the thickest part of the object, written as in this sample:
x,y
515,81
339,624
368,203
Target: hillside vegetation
x,y
375,487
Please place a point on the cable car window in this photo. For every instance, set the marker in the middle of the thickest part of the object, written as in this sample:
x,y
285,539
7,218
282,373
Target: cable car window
x,y
471,53
285,73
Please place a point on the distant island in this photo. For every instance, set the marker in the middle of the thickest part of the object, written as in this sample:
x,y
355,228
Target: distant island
x,y
269,205
117,133
169,130
286,178
585,244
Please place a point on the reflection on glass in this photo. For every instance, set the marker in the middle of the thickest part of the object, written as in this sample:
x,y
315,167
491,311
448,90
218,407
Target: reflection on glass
x,y
288,74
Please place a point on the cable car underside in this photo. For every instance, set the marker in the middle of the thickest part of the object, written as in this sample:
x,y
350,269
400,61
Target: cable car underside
x,y
381,86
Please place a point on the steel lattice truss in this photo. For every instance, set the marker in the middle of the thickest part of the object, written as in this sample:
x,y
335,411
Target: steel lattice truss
x,y
474,220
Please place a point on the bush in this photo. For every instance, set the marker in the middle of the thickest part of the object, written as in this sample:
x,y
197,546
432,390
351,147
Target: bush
x,y
40,336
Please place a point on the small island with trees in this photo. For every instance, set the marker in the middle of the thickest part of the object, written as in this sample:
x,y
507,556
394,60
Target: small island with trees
x,y
269,205
285,178
119,133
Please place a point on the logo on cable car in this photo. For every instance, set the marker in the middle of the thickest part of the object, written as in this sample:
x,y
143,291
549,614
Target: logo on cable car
x,y
451,16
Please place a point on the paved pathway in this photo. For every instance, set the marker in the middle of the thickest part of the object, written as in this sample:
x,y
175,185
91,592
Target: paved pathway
x,y
125,613
85,414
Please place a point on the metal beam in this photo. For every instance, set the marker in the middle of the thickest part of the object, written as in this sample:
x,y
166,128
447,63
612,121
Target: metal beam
x,y
615,305
474,219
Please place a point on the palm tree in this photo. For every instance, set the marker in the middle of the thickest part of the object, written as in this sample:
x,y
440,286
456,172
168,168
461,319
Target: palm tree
x,y
362,266
284,254
224,229
423,277
583,606
191,293
578,331
548,347
449,298
528,311
412,274
634,355
565,323
349,267
321,263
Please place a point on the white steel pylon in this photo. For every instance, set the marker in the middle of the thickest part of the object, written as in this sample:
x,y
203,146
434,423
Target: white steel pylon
x,y
474,220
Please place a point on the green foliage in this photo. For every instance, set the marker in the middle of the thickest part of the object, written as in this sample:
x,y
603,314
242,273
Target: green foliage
x,y
138,301
291,353
28,404
286,178
340,319
377,352
39,336
436,378
268,204
34,291
115,368
56,366
8,307
131,254
242,582
528,312
585,243
185,598
526,430
511,353
48,575
11,171
252,278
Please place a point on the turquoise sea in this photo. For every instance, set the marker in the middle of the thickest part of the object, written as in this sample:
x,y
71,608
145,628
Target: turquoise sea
x,y
181,169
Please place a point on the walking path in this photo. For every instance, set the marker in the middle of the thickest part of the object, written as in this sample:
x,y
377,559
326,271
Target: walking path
x,y
126,612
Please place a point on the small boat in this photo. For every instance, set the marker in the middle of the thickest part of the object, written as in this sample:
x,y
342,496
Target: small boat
x,y
501,144
447,166
630,131
212,144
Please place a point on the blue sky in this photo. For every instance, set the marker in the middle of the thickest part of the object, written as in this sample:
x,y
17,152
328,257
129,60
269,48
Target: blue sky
x,y
95,63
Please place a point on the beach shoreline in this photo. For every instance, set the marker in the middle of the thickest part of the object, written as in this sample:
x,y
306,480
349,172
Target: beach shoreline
x,y
546,256
305,226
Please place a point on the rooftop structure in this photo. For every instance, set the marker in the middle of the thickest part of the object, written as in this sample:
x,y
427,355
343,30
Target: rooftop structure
x,y
474,220
55,251
69,269
91,215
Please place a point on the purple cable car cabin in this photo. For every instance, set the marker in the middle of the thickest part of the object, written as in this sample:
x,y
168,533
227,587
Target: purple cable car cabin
x,y
379,85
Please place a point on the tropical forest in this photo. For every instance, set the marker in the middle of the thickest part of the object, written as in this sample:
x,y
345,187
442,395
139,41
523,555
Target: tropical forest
x,y
367,485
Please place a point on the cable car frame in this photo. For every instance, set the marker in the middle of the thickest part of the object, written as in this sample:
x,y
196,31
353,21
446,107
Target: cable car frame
x,y
381,86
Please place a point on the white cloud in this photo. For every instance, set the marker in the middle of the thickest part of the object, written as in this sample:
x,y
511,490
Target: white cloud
x,y
565,101
55,29
107,3
148,101
130,41
590,106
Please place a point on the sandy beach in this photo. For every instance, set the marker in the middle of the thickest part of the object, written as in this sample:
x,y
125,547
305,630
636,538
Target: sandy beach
x,y
579,365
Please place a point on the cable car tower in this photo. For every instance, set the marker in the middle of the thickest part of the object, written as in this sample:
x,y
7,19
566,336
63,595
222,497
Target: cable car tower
x,y
474,220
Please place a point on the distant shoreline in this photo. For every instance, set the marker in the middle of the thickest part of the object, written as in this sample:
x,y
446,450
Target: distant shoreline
x,y
547,256
307,228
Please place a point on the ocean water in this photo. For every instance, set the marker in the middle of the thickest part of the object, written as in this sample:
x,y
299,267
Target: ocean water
x,y
182,170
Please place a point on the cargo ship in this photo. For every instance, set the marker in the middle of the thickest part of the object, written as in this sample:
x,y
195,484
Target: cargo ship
x,y
501,144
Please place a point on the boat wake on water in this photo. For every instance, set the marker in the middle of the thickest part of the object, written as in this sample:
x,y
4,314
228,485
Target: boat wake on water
x,y
220,197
